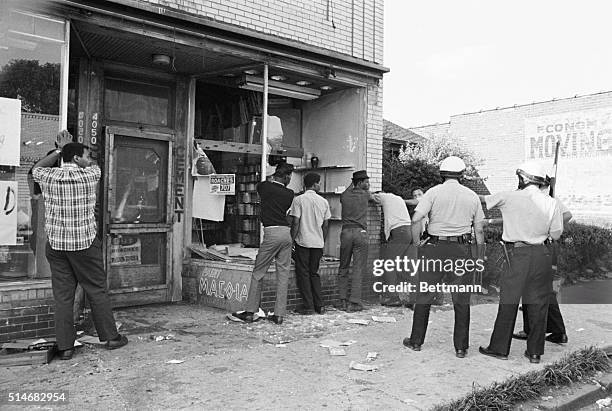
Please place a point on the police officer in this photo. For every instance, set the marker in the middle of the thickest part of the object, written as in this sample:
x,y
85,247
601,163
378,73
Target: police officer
x,y
529,218
453,209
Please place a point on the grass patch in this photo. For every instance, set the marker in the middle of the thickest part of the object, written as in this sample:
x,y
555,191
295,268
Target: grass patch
x,y
573,367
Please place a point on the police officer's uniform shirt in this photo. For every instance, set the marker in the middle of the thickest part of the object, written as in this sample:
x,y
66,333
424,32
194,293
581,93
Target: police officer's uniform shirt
x,y
529,215
452,209
395,211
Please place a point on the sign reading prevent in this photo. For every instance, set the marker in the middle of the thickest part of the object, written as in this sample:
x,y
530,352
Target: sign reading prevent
x,y
586,133
223,184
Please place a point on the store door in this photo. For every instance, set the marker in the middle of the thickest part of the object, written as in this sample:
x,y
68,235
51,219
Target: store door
x,y
138,223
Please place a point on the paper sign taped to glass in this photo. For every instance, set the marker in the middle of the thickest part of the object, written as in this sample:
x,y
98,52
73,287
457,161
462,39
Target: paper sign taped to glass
x,y
223,184
8,213
10,131
126,252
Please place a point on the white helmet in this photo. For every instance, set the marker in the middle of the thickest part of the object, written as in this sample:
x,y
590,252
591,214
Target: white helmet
x,y
533,172
452,165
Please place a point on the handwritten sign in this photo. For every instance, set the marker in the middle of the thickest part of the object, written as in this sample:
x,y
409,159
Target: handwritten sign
x,y
223,184
8,213
223,288
10,131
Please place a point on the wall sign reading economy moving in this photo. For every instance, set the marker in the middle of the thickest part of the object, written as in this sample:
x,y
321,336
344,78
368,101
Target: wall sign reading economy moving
x,y
582,134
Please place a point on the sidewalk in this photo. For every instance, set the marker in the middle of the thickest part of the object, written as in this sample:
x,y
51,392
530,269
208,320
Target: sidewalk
x,y
229,365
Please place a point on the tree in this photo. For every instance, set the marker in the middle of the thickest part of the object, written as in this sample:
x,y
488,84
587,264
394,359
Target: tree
x,y
419,165
37,86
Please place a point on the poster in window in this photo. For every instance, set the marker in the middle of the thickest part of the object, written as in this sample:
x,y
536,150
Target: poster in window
x,y
8,213
223,184
10,131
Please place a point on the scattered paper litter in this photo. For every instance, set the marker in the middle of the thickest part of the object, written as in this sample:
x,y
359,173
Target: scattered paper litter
x,y
358,321
385,319
408,401
336,351
580,329
354,365
77,343
270,340
232,318
88,339
79,333
547,398
333,343
175,362
39,341
604,402
280,345
118,324
371,356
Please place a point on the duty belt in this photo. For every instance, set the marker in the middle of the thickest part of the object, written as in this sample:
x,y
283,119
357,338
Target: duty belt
x,y
465,238
517,244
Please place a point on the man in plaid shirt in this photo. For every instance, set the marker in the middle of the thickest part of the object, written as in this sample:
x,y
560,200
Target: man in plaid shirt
x,y
73,250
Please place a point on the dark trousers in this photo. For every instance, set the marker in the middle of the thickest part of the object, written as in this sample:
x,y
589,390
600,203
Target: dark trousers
x,y
461,301
554,321
353,243
530,278
397,245
86,268
276,244
307,275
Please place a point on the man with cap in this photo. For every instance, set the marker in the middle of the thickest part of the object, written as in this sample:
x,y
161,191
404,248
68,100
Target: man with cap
x,y
275,200
453,210
354,240
311,214
529,218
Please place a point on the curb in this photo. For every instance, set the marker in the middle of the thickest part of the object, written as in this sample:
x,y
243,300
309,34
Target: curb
x,y
585,395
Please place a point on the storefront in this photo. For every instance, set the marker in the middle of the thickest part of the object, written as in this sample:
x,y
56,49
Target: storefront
x,y
150,89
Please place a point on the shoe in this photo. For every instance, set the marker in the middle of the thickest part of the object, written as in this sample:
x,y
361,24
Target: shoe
x,y
118,342
245,316
276,319
557,338
533,358
320,310
305,311
409,344
66,354
460,353
342,305
521,335
391,302
487,351
354,307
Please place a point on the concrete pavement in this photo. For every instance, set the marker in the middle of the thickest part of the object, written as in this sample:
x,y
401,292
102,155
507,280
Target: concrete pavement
x,y
238,366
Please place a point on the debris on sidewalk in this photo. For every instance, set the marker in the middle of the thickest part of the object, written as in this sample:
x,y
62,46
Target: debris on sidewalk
x,y
547,398
336,351
604,402
277,341
118,324
333,343
90,339
383,319
27,352
354,365
372,355
358,321
256,317
280,345
161,337
175,362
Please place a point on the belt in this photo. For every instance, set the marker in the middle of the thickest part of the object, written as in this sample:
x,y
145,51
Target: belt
x,y
352,225
517,244
453,239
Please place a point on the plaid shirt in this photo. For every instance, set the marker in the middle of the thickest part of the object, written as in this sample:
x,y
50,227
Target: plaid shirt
x,y
70,198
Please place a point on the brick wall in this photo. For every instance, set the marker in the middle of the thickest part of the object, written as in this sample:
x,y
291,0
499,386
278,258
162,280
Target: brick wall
x,y
498,136
26,311
358,25
374,136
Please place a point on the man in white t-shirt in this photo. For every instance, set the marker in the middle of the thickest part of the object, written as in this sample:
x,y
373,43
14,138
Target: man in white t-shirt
x,y
311,214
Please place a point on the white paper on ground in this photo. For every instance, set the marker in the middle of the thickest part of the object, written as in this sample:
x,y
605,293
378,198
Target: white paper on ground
x,y
384,319
358,321
336,351
88,339
354,365
175,362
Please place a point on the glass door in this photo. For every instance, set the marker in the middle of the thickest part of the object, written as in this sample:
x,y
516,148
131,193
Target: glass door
x,y
138,220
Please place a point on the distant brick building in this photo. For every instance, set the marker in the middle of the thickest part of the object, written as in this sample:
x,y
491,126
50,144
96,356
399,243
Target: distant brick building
x,y
508,136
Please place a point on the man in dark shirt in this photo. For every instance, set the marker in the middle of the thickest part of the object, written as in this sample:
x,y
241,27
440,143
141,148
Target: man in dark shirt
x,y
354,240
275,200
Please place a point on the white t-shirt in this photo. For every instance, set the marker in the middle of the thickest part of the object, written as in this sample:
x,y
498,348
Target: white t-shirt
x,y
395,211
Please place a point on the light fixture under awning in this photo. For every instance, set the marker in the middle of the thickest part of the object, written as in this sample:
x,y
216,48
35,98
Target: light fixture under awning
x,y
278,88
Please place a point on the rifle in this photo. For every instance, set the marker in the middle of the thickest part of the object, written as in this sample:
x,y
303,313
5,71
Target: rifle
x,y
551,191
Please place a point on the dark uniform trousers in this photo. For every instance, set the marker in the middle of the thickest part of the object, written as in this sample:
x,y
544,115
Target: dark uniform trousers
x,y
307,262
530,278
397,246
85,267
461,301
554,321
353,243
